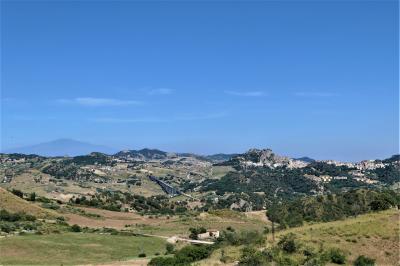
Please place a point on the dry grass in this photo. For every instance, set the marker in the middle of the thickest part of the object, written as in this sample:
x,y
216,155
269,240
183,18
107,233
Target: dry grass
x,y
375,235
12,203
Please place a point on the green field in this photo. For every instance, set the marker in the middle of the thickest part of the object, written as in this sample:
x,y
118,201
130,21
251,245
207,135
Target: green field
x,y
75,248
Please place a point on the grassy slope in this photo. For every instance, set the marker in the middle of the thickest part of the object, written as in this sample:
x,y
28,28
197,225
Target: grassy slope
x,y
375,235
75,248
12,203
220,171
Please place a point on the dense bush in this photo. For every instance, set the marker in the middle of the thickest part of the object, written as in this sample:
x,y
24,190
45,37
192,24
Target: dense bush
x,y
184,256
169,248
76,228
330,207
251,256
18,193
364,261
14,217
288,243
163,261
10,222
195,231
51,205
337,256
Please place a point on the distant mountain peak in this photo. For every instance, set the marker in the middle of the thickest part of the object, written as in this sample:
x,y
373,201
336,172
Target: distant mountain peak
x,y
62,147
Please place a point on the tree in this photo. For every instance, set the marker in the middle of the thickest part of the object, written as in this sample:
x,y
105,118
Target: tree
x,y
195,231
379,205
32,196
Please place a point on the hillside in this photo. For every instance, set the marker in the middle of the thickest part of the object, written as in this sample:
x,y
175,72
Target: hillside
x,y
245,182
375,235
14,204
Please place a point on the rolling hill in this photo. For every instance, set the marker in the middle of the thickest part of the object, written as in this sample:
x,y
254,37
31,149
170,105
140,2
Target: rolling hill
x,y
14,204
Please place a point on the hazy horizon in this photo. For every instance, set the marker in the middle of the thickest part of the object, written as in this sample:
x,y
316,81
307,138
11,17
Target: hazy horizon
x,y
112,150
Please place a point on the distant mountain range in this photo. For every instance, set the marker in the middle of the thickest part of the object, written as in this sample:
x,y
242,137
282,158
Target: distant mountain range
x,y
70,147
62,147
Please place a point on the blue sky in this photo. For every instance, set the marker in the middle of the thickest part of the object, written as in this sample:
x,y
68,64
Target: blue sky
x,y
315,78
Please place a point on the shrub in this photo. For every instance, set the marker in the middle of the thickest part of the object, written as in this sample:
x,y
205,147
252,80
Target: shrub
x,y
163,261
170,248
379,205
337,256
51,205
190,254
18,193
288,243
76,228
364,261
142,255
60,219
195,231
251,256
7,228
4,215
266,230
15,217
230,228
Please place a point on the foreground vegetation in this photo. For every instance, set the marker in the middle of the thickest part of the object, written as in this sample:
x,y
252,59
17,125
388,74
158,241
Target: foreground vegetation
x,y
369,239
76,248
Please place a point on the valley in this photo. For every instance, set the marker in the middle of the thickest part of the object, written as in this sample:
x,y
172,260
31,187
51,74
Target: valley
x,y
145,201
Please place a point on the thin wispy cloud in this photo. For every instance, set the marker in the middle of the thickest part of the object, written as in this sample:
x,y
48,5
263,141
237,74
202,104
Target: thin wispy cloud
x,y
98,102
31,118
160,91
315,94
246,93
185,117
